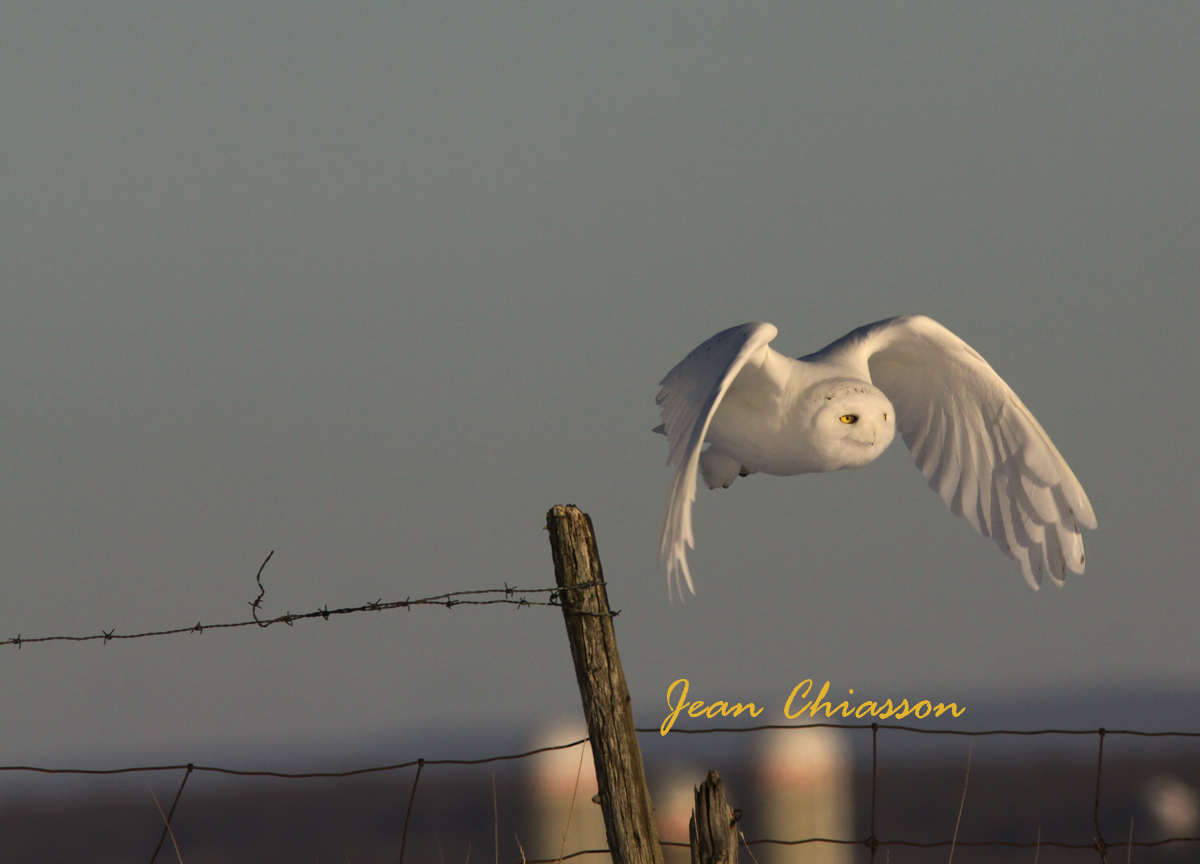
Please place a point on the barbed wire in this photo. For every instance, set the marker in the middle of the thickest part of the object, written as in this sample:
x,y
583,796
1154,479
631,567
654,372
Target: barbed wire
x,y
512,596
871,842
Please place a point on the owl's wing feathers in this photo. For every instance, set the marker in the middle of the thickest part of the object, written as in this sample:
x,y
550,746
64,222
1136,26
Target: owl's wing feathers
x,y
978,446
690,395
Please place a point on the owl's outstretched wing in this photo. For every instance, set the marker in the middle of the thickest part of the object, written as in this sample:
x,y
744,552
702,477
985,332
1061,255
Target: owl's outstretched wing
x,y
978,446
690,395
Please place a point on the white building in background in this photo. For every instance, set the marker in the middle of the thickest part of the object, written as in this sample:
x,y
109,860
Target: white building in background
x,y
804,778
674,799
557,779
1175,805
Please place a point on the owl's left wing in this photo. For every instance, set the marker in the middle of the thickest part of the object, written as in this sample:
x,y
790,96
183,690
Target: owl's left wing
x,y
689,397
977,444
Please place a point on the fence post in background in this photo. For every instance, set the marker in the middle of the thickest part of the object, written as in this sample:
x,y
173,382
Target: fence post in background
x,y
712,832
624,795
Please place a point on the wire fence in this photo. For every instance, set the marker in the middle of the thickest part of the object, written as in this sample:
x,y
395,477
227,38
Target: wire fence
x,y
519,597
871,842
510,596
874,843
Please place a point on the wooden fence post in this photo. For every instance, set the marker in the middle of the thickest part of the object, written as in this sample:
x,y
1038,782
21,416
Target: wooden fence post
x,y
712,832
624,796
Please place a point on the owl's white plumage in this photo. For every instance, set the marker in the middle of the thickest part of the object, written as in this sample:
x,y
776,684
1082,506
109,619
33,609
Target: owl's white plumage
x,y
971,437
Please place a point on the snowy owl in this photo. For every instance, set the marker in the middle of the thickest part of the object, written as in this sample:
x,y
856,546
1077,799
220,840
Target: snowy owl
x,y
976,443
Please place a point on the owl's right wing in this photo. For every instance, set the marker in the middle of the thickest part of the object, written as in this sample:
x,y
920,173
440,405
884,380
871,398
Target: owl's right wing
x,y
977,444
690,395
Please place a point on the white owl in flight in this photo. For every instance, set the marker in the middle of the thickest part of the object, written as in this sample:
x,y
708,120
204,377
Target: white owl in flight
x,y
976,443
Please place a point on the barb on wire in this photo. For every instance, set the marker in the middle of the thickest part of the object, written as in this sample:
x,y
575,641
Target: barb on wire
x,y
510,596
256,603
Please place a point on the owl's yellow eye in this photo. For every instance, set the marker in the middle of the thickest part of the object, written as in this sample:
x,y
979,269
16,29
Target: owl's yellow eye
x,y
849,418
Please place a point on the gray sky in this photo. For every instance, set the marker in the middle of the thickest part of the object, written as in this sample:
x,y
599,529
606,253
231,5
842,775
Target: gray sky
x,y
373,285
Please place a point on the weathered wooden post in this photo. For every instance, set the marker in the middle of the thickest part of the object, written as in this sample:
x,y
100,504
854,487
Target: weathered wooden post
x,y
624,796
712,832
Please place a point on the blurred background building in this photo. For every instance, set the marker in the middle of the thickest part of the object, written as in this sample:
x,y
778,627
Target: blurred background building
x,y
804,791
563,817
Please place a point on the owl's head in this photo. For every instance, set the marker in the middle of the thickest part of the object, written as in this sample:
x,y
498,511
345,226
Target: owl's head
x,y
854,422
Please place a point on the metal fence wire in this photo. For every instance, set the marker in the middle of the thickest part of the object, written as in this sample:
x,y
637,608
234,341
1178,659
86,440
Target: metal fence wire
x,y
871,842
513,596
508,596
